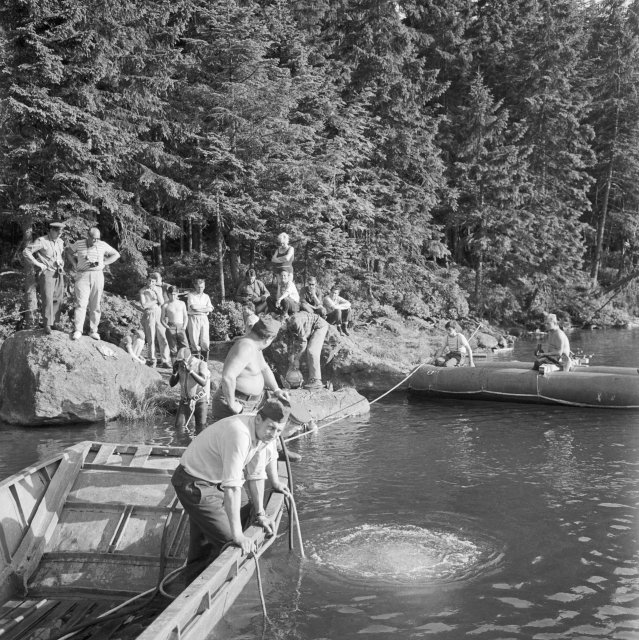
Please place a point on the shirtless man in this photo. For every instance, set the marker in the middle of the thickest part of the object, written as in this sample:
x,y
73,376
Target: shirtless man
x,y
175,318
245,374
557,349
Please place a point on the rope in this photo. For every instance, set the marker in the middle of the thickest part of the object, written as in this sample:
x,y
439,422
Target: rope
x,y
301,435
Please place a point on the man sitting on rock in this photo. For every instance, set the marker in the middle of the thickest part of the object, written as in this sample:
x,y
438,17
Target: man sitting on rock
x,y
338,310
195,389
307,332
252,293
311,298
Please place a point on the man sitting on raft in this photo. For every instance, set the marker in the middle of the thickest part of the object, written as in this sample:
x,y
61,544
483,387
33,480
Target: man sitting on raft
x,y
557,351
455,350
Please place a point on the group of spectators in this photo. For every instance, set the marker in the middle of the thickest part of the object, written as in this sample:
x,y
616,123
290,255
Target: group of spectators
x,y
285,299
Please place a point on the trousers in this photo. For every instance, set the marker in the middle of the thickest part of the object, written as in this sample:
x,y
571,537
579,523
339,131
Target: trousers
x,y
51,287
154,329
89,286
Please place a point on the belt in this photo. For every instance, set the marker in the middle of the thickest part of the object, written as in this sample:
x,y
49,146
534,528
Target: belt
x,y
182,470
246,397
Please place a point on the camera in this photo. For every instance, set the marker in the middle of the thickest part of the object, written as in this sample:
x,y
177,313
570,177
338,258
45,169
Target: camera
x,y
93,264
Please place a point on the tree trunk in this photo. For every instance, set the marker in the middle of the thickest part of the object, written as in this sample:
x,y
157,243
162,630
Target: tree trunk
x,y
30,290
220,249
181,235
234,259
189,231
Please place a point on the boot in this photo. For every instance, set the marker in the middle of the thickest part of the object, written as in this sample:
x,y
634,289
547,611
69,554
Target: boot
x,y
345,330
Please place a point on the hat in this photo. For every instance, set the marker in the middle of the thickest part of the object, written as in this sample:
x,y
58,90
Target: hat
x,y
56,224
276,410
266,327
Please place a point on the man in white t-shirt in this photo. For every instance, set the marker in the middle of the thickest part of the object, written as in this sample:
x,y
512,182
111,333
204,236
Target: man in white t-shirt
x,y
211,475
198,306
89,256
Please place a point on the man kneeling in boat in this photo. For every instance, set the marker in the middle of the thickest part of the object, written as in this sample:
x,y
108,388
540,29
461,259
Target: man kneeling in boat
x,y
556,355
210,478
455,349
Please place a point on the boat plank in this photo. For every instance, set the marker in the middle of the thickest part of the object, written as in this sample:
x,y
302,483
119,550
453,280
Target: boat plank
x,y
122,485
104,453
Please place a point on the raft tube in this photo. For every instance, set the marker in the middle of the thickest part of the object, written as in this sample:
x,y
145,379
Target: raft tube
x,y
584,386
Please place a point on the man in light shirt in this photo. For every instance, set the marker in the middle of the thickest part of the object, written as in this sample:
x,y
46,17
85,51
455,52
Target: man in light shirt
x,y
198,306
46,254
151,297
211,475
338,310
89,256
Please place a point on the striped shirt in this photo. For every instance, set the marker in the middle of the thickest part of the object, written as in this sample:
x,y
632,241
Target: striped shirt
x,y
91,258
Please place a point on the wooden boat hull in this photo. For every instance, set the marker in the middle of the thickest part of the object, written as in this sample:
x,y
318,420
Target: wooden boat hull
x,y
86,530
600,387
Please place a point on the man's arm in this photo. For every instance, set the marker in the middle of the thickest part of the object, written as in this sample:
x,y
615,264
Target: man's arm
x,y
232,506
110,255
28,252
185,315
71,255
466,344
237,360
269,380
163,319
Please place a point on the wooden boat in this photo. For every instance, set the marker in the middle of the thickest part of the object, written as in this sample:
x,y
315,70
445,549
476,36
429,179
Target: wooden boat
x,y
585,386
92,527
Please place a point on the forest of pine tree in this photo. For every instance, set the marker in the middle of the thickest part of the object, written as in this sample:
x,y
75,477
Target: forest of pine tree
x,y
445,157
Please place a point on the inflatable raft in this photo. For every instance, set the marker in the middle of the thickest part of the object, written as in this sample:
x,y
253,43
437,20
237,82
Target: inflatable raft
x,y
585,386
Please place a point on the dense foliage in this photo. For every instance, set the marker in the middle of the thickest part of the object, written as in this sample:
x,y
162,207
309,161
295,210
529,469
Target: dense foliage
x,y
442,156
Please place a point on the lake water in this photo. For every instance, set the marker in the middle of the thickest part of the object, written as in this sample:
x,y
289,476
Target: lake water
x,y
445,519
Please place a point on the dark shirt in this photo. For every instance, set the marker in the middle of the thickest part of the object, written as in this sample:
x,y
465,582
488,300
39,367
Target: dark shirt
x,y
247,292
312,298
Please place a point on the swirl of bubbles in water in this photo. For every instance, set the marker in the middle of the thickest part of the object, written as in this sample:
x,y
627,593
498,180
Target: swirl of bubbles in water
x,y
405,554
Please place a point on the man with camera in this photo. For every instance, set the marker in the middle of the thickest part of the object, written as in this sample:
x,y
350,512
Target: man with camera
x,y
195,389
89,256
46,255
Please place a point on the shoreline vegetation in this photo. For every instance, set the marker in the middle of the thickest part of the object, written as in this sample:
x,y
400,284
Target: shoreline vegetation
x,y
447,160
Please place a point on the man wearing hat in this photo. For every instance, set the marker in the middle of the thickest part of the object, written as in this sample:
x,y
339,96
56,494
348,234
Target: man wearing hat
x,y
246,374
557,350
210,478
46,254
306,332
89,257
195,389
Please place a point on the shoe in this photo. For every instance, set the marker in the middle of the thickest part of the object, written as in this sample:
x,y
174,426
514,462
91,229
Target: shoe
x,y
150,363
339,329
314,384
345,330
95,335
47,329
76,335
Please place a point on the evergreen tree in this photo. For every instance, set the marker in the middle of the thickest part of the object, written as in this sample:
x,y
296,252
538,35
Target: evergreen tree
x,y
614,55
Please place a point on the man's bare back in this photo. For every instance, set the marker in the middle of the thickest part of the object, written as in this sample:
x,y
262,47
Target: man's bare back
x,y
245,362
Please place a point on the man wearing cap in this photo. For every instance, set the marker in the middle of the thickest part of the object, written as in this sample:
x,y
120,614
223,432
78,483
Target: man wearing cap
x,y
311,298
46,254
307,332
212,473
89,256
195,389
246,374
175,319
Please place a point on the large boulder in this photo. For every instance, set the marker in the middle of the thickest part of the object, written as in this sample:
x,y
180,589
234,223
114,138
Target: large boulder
x,y
55,380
